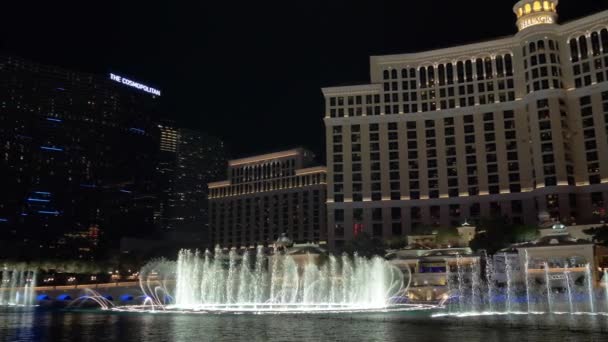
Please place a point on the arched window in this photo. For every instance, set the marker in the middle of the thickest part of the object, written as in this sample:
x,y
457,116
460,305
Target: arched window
x,y
413,73
386,74
532,47
546,5
595,43
479,68
403,73
488,65
604,37
423,77
525,50
468,66
509,65
460,72
394,73
431,71
582,42
441,71
528,8
540,46
500,69
551,45
574,50
450,73
537,6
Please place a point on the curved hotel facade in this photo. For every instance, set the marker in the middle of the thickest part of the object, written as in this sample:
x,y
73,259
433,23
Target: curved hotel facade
x,y
511,127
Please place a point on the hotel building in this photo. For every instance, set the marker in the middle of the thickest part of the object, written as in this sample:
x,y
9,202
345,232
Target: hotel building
x,y
511,127
266,196
77,158
188,160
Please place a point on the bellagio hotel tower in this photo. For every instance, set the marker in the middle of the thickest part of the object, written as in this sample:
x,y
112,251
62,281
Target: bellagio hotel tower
x,y
513,127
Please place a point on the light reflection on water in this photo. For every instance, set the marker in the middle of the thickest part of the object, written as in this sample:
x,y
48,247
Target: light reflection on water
x,y
107,326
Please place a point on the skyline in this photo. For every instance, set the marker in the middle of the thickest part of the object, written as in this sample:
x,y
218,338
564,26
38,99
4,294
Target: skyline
x,y
227,93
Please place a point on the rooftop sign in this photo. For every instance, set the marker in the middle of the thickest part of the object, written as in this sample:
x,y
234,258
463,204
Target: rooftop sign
x,y
134,84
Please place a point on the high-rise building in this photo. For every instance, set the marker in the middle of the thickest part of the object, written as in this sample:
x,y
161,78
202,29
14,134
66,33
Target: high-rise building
x,y
266,196
513,127
77,159
188,161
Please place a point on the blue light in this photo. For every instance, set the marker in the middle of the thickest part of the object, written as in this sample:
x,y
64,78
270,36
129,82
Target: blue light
x,y
126,298
38,200
54,120
55,149
64,297
43,297
23,214
42,193
60,89
137,130
125,191
44,212
3,220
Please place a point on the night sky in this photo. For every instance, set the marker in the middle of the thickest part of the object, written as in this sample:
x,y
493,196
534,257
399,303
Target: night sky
x,y
249,72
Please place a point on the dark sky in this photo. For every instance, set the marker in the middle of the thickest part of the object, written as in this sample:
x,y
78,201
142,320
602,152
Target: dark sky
x,y
249,72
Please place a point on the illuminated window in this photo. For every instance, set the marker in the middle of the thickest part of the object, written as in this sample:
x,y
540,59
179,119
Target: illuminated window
x,y
546,6
553,6
528,9
520,11
537,6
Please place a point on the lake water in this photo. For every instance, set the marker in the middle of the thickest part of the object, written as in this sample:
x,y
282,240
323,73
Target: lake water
x,y
59,326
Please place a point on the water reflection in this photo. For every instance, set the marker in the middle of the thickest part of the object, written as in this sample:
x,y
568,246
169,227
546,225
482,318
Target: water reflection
x,y
103,326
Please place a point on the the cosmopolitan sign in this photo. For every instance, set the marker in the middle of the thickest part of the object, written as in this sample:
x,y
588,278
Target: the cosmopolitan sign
x,y
134,84
535,20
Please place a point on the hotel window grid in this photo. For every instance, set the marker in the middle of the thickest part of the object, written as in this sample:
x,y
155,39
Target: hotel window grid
x,y
590,143
589,56
462,110
543,65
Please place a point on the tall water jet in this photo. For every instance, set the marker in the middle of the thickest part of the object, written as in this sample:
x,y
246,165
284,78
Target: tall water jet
x,y
448,283
461,291
527,279
475,286
548,288
508,272
568,288
17,287
590,292
490,280
606,288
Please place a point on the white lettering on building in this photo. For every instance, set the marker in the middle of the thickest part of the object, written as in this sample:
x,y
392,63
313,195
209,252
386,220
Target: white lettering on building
x,y
134,84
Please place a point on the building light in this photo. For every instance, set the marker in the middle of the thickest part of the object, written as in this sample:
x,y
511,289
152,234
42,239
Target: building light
x,y
37,200
3,220
54,120
42,193
55,149
125,191
137,130
44,212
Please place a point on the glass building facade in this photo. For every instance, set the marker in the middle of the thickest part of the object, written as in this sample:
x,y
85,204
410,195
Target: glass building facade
x,y
77,160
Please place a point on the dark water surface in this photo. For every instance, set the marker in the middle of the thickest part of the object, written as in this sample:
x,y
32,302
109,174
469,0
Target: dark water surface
x,y
61,326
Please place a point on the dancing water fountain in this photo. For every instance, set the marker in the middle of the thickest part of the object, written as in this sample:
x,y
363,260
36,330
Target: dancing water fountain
x,y
276,282
566,290
17,286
